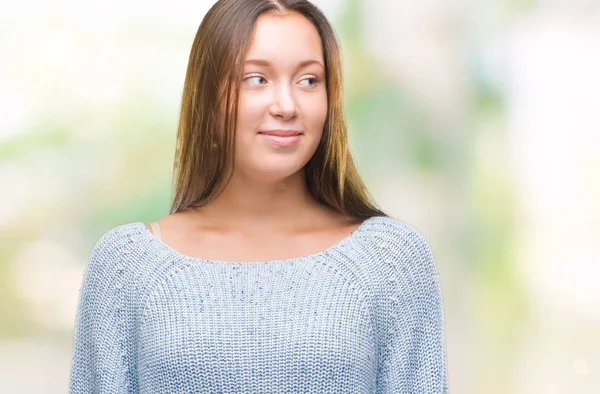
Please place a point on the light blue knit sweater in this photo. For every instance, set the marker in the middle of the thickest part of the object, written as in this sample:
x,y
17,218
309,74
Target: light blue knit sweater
x,y
363,316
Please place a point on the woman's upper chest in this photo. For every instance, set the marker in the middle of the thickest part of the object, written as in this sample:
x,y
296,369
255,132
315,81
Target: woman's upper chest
x,y
211,243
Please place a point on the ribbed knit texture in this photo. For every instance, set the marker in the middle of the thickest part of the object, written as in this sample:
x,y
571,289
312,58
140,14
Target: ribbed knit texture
x,y
363,316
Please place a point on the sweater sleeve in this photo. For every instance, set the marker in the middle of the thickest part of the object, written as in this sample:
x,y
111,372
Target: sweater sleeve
x,y
102,359
414,349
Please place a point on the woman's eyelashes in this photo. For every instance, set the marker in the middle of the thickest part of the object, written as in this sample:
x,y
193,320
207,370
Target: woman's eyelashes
x,y
315,80
251,77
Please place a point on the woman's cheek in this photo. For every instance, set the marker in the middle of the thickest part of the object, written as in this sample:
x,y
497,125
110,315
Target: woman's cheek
x,y
318,111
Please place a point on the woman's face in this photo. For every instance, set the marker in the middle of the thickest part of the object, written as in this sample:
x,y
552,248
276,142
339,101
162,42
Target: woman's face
x,y
283,91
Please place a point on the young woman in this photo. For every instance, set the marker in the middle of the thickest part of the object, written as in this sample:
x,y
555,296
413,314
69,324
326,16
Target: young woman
x,y
273,272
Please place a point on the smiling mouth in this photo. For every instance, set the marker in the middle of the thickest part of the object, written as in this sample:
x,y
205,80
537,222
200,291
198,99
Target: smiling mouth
x,y
280,133
282,140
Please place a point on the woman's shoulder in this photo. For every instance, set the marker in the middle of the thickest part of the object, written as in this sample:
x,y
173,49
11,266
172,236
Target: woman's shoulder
x,y
112,262
118,237
403,242
388,229
123,247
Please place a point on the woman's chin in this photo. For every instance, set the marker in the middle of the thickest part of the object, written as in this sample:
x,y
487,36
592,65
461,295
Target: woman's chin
x,y
272,173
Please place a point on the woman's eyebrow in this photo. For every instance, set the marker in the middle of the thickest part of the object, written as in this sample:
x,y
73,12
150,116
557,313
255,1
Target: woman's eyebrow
x,y
266,63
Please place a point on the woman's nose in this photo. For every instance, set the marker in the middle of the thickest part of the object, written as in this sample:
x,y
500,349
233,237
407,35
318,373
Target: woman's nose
x,y
284,104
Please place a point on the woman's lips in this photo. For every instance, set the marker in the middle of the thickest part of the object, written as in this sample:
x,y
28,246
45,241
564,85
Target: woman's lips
x,y
282,140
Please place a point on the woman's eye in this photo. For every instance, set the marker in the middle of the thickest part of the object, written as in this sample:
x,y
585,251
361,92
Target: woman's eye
x,y
259,80
254,77
314,80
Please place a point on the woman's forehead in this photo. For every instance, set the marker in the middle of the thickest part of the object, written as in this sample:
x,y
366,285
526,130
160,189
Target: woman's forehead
x,y
287,39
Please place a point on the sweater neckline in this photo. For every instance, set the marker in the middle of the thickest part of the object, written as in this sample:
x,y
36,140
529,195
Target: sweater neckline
x,y
336,246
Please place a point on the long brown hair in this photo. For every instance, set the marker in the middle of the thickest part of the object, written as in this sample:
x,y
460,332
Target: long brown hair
x,y
214,70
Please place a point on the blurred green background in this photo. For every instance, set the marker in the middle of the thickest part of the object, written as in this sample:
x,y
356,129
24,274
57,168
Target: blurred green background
x,y
477,122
